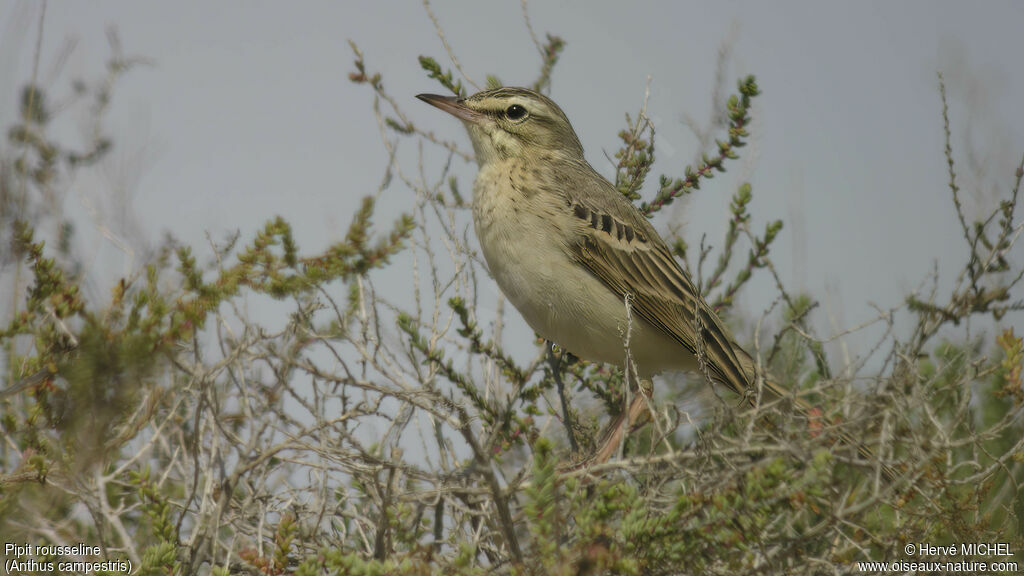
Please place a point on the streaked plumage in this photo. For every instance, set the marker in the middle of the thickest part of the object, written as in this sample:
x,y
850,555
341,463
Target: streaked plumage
x,y
569,251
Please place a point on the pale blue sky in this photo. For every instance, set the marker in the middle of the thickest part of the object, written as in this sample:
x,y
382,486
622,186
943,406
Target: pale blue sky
x,y
247,113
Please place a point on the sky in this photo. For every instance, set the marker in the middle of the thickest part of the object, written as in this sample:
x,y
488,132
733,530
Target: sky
x,y
244,111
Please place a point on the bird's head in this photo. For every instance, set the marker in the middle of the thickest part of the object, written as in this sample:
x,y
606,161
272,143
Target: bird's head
x,y
512,123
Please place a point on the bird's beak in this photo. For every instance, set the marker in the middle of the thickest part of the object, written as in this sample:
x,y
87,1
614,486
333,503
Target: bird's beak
x,y
453,106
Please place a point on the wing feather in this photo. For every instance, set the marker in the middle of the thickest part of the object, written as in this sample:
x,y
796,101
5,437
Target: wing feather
x,y
621,248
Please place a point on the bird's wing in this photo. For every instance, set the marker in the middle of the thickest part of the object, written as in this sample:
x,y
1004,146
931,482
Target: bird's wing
x,y
621,248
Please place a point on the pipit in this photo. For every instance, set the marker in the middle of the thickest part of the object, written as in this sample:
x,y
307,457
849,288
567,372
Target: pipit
x,y
582,265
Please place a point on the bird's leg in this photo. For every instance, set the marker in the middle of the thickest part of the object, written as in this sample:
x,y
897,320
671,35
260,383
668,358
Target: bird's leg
x,y
635,415
556,361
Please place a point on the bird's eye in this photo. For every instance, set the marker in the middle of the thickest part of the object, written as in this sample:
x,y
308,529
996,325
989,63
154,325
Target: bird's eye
x,y
515,112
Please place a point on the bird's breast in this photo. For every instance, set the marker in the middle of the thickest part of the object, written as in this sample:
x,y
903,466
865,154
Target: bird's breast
x,y
521,243
523,234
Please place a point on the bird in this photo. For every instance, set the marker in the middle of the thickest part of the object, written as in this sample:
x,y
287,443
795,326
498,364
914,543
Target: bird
x,y
582,265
